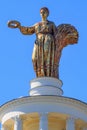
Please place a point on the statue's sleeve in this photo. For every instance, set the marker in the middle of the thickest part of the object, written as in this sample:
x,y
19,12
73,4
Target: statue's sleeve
x,y
27,30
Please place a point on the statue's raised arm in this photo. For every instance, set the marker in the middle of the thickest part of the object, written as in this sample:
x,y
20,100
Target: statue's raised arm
x,y
50,40
24,30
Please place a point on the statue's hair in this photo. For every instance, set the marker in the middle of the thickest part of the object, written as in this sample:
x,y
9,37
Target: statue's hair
x,y
46,9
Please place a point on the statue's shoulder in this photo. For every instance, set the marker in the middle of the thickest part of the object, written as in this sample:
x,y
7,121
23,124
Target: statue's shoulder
x,y
51,22
38,23
41,23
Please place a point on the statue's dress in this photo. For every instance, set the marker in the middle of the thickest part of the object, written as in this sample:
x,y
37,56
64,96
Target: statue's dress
x,y
44,47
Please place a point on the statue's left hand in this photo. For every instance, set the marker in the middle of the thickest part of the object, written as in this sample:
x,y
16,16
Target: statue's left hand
x,y
14,24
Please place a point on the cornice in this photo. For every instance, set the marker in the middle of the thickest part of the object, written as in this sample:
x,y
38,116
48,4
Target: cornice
x,y
43,99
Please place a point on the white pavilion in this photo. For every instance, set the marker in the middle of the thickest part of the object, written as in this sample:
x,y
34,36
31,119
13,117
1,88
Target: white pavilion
x,y
44,109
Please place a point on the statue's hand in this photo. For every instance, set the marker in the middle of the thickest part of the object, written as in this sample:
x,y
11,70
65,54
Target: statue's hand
x,y
14,24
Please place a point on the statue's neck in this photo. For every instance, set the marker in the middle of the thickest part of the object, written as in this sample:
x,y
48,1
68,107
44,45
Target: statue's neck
x,y
44,19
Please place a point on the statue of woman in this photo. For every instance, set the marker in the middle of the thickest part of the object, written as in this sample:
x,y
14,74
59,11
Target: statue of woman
x,y
44,46
49,43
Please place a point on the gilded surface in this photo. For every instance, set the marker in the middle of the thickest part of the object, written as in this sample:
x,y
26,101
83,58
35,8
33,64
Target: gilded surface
x,y
50,40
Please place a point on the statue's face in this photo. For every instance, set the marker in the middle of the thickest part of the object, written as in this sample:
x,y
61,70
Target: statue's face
x,y
43,13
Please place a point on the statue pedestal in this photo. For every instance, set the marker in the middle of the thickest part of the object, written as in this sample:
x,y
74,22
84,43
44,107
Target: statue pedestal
x,y
45,86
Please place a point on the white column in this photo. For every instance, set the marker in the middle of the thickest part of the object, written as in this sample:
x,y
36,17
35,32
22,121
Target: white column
x,y
17,123
2,127
43,121
70,123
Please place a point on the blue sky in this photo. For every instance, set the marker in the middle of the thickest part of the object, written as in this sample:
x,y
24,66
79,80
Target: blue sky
x,y
16,68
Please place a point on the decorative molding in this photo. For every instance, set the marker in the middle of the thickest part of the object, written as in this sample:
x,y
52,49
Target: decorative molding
x,y
45,86
50,80
55,99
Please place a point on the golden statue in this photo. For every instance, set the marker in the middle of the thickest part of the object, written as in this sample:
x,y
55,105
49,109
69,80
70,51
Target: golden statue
x,y
50,40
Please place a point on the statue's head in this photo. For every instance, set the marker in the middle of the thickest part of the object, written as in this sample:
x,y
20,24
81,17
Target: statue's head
x,y
44,11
